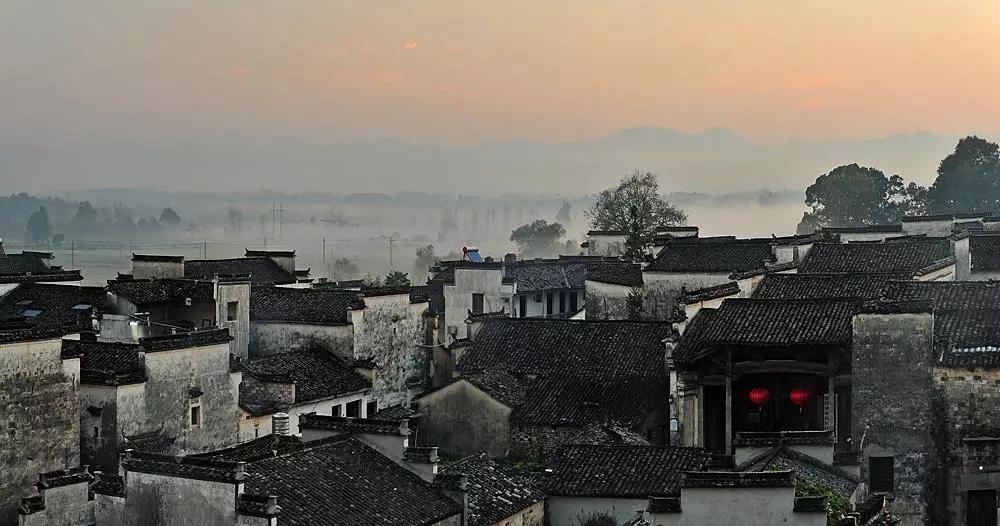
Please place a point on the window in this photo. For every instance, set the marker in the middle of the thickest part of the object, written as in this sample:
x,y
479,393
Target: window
x,y
354,409
477,303
880,474
370,409
523,310
572,301
562,301
232,310
196,415
338,410
97,432
548,304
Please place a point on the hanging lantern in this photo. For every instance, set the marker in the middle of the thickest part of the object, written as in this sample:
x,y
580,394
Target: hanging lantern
x,y
760,396
800,396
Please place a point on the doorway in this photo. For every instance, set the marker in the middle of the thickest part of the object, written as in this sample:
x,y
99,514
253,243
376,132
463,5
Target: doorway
x,y
982,508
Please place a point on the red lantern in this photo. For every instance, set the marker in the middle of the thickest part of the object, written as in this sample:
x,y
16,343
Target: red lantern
x,y
800,396
760,396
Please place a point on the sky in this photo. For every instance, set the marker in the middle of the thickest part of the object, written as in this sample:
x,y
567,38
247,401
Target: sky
x,y
83,84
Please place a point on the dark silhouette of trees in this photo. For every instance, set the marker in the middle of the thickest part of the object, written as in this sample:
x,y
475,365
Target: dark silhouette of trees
x,y
853,195
537,238
39,228
968,179
635,207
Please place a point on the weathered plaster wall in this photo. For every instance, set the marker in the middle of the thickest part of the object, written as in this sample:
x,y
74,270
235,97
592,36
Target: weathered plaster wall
x,y
169,501
462,420
963,261
239,327
268,338
606,301
391,330
99,438
939,228
64,506
109,510
609,246
984,275
252,427
157,269
893,409
663,288
568,511
166,399
728,506
458,297
39,419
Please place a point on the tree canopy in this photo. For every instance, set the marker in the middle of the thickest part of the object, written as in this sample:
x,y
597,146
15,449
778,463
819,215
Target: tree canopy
x,y
169,218
634,206
537,238
39,228
397,278
968,179
853,195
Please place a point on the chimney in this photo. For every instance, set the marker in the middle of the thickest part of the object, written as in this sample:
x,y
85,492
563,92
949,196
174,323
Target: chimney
x,y
509,258
279,424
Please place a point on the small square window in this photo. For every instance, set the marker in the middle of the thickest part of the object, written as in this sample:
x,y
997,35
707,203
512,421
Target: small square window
x,y
232,310
338,410
371,409
354,409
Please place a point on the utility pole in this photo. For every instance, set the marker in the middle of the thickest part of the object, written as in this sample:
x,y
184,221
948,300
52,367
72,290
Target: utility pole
x,y
390,252
72,254
204,249
324,251
276,218
281,208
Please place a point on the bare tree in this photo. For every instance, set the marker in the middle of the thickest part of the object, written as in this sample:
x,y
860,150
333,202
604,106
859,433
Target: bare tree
x,y
635,208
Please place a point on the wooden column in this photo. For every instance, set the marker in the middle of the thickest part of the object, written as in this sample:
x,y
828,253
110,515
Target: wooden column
x,y
729,401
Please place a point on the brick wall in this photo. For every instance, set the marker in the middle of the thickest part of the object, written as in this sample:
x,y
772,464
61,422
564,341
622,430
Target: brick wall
x,y
255,391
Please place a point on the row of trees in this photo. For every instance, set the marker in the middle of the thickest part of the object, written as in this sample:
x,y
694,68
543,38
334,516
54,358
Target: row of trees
x,y
38,227
968,180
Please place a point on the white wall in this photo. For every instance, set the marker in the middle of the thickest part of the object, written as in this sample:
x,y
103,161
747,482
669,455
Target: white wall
x,y
567,511
731,506
458,297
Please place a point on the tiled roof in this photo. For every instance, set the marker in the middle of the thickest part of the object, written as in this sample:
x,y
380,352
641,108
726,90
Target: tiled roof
x,y
805,467
396,412
710,293
944,217
23,263
875,257
266,446
349,484
788,438
558,400
824,286
947,295
265,506
767,323
33,311
532,276
494,491
747,479
157,258
712,257
525,345
768,268
968,338
877,229
107,363
608,434
156,291
621,471
626,274
320,306
185,467
64,477
502,386
109,484
985,252
185,340
260,269
340,424
42,277
316,372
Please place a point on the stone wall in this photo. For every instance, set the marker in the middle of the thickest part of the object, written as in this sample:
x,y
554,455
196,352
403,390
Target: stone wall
x,y
239,327
268,338
461,420
893,406
257,391
39,423
971,407
68,505
391,331
570,511
99,437
533,515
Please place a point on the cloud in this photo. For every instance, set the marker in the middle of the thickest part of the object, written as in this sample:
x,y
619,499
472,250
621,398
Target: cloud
x,y
413,44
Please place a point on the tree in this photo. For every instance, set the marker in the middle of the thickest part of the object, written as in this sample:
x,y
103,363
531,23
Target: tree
x,y
342,269
397,279
853,195
564,213
635,304
39,228
536,239
169,218
634,206
968,179
425,260
86,216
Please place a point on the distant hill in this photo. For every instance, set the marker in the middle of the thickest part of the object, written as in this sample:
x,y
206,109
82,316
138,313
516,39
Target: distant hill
x,y
715,161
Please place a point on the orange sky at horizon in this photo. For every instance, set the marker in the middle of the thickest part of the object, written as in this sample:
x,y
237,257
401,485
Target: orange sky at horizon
x,y
459,72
